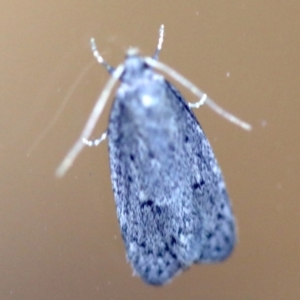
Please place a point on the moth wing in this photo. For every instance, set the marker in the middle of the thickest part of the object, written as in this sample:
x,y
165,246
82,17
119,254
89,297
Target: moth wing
x,y
171,200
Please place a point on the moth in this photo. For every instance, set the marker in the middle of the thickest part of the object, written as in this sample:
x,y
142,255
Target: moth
x,y
171,200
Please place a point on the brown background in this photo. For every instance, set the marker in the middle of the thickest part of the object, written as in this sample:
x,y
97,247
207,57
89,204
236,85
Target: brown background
x,y
59,239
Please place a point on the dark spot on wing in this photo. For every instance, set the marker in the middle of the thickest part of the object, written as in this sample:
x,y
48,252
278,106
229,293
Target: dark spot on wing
x,y
220,216
196,186
173,240
151,155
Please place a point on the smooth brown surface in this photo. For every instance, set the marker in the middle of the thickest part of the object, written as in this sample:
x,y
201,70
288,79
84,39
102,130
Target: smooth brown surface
x,y
59,239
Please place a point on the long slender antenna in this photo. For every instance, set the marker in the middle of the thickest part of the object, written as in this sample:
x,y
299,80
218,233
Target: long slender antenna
x,y
89,126
195,90
95,114
116,74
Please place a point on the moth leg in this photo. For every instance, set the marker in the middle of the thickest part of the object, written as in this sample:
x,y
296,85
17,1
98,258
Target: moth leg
x,y
96,142
95,114
99,57
198,103
160,42
195,90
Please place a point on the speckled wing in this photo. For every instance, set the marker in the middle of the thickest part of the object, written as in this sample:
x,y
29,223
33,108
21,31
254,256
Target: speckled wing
x,y
171,199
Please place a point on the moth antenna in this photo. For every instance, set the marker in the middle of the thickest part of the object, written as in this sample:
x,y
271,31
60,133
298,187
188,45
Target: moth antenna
x,y
195,90
89,126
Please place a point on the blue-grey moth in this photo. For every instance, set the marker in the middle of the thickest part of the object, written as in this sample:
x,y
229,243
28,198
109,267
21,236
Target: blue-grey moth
x,y
171,200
